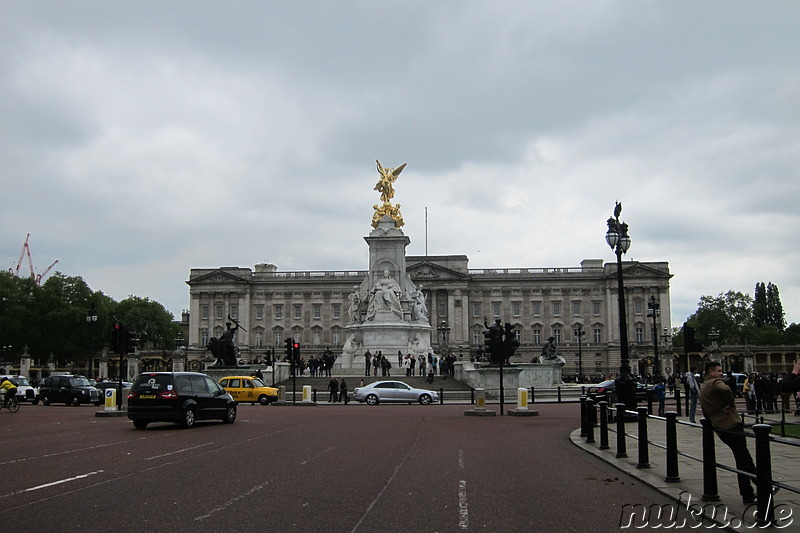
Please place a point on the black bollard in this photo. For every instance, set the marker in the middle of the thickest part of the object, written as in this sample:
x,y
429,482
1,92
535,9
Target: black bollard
x,y
441,396
644,445
621,449
314,395
603,425
710,491
559,394
533,396
591,412
584,416
471,396
672,447
766,511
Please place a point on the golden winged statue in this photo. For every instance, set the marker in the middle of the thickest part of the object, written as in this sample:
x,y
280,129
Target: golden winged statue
x,y
385,186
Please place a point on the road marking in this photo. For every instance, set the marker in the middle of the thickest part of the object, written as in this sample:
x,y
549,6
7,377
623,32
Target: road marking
x,y
461,459
463,511
303,463
234,500
81,450
67,480
178,451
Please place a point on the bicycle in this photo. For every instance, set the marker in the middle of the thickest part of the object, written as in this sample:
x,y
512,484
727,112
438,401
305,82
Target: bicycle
x,y
13,404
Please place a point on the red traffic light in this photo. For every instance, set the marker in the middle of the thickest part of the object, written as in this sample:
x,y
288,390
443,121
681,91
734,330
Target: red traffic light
x,y
296,345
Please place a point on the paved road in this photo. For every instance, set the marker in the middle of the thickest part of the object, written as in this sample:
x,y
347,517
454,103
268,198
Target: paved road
x,y
328,468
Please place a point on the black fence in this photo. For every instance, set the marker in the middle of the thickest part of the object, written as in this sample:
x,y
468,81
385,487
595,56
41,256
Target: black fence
x,y
766,486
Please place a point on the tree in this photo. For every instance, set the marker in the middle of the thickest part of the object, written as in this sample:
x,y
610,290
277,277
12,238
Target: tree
x,y
760,305
149,319
730,314
774,316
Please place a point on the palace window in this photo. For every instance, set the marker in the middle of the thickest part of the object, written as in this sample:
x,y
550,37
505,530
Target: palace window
x,y
537,308
278,312
204,312
576,308
336,311
259,312
515,308
598,335
317,308
556,308
298,311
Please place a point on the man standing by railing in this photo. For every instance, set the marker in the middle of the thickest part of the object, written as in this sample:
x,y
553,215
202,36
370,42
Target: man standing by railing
x,y
719,407
693,392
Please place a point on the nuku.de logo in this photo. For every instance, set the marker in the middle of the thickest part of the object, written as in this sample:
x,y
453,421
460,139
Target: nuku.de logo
x,y
695,515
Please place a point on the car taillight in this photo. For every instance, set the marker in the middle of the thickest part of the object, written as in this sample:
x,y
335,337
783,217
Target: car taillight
x,y
601,390
132,395
168,395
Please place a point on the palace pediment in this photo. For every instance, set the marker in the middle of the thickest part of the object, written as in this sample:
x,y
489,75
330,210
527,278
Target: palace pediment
x,y
216,277
427,270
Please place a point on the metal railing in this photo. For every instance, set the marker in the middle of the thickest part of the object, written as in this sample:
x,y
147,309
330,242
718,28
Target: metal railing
x,y
765,484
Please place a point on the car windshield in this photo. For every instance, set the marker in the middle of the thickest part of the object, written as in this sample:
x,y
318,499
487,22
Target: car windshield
x,y
258,383
79,381
23,382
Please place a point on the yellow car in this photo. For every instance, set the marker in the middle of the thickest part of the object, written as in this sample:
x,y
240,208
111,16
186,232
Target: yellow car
x,y
249,389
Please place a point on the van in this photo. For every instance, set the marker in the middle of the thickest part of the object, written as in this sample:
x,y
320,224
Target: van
x,y
25,393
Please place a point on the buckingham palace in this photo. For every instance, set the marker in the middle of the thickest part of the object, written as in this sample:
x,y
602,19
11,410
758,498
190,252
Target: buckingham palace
x,y
577,306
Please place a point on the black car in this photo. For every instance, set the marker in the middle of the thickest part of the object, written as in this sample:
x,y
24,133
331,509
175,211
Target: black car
x,y
68,389
607,390
179,397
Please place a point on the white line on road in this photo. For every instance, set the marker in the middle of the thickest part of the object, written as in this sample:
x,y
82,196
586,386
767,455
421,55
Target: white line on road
x,y
178,451
76,450
234,500
67,480
463,511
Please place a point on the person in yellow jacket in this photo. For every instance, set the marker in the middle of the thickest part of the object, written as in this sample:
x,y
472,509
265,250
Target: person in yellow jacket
x,y
8,387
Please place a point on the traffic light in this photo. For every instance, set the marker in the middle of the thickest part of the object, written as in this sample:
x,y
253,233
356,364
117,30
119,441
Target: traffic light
x,y
289,348
117,333
131,341
690,344
296,350
510,341
488,342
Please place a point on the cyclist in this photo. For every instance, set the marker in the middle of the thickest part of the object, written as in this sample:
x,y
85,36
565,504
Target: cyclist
x,y
10,390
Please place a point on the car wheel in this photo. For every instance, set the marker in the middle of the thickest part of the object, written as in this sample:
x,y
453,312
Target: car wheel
x,y
188,418
230,415
140,424
96,404
75,402
35,401
45,400
263,400
372,400
425,399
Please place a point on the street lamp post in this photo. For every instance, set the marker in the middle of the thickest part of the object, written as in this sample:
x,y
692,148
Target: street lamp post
x,y
91,319
654,310
443,331
619,241
579,332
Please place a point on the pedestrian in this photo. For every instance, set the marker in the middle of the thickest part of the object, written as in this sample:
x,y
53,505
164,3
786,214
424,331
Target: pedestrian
x,y
693,390
719,408
422,365
367,362
376,363
333,387
343,392
660,391
407,365
430,375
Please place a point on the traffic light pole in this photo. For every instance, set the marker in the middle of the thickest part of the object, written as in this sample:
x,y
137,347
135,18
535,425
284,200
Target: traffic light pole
x,y
123,334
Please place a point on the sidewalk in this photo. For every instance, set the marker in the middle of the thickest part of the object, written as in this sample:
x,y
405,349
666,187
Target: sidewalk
x,y
785,469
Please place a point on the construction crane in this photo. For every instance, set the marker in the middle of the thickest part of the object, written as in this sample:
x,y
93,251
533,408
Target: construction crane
x,y
25,253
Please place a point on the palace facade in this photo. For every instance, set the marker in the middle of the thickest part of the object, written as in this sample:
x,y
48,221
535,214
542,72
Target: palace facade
x,y
311,307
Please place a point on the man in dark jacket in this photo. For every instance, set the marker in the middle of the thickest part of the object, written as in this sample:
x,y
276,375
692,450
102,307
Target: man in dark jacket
x,y
719,408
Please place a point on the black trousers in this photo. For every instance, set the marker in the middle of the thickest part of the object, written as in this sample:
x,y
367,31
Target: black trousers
x,y
735,439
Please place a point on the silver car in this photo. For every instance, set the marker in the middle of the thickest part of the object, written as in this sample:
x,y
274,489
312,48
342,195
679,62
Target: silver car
x,y
393,391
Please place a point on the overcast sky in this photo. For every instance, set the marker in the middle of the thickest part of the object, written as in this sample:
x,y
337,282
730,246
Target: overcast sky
x,y
141,139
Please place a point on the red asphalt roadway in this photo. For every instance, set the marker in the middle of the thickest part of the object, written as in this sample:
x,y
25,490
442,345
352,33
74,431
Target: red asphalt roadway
x,y
357,468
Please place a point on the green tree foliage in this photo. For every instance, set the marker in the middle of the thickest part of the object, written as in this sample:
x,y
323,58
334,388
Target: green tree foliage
x,y
740,318
775,317
51,319
149,319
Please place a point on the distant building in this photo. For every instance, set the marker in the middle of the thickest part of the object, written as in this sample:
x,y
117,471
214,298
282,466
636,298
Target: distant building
x,y
311,307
